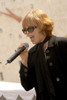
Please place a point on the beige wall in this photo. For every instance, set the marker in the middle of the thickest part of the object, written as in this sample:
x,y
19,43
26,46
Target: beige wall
x,y
10,30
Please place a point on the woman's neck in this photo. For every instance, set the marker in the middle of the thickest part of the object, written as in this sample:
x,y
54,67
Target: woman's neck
x,y
45,45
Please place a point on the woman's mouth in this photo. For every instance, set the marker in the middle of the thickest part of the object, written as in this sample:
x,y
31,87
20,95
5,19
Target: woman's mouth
x,y
32,38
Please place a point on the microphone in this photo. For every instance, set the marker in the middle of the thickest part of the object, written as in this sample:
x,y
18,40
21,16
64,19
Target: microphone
x,y
17,53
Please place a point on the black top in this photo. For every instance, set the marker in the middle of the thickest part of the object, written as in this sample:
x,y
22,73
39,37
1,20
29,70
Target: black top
x,y
56,55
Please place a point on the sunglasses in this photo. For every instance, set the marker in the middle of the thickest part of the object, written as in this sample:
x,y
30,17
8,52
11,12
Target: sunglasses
x,y
29,29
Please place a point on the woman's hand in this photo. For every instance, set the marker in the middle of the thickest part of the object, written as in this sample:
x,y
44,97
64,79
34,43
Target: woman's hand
x,y
23,55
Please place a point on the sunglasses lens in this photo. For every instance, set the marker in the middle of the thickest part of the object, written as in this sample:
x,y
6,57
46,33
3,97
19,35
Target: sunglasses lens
x,y
28,30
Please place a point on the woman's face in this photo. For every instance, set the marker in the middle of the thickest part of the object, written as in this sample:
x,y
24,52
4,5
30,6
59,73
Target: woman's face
x,y
35,36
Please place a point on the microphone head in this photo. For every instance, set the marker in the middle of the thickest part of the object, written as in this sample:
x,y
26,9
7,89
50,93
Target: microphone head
x,y
26,44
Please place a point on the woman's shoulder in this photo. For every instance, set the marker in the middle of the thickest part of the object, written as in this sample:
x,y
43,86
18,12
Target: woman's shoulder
x,y
61,40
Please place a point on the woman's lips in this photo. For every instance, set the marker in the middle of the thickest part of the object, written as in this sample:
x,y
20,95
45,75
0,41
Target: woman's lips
x,y
32,38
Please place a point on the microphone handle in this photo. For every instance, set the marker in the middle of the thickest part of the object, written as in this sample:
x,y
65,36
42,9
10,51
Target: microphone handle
x,y
16,54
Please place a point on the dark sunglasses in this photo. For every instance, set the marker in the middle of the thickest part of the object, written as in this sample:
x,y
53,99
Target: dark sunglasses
x,y
29,29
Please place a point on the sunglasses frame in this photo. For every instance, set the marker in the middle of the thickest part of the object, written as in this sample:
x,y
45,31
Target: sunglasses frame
x,y
29,29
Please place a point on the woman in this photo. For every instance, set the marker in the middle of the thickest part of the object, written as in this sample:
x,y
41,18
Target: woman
x,y
44,66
